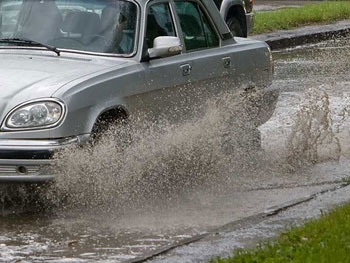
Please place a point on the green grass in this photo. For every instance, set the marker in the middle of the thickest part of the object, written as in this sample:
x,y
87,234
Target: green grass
x,y
325,240
309,14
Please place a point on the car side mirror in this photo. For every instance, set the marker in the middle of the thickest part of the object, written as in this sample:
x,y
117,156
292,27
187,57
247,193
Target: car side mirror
x,y
165,46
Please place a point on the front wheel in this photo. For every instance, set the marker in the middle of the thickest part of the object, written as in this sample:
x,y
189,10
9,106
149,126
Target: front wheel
x,y
235,27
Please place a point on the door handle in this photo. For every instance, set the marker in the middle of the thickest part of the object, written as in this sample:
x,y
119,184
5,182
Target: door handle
x,y
186,69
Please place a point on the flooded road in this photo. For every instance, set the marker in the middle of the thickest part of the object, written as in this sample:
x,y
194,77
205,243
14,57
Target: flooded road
x,y
186,189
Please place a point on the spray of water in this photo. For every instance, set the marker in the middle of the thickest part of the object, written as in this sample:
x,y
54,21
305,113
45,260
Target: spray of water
x,y
159,159
20,199
313,139
219,150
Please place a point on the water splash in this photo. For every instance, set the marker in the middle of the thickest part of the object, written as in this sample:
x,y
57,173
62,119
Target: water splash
x,y
341,121
312,139
219,150
19,199
162,158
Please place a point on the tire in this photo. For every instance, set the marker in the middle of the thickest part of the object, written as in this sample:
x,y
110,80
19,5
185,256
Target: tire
x,y
235,27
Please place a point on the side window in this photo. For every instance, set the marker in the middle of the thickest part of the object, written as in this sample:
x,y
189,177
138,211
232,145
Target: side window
x,y
195,25
159,23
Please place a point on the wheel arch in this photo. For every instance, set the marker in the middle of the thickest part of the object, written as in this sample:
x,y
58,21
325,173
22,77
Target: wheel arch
x,y
110,115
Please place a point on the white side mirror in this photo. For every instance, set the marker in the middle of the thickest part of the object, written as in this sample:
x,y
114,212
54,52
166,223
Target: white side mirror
x,y
165,46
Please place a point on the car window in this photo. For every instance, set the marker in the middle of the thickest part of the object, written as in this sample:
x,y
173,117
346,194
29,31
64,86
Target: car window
x,y
104,26
159,23
197,30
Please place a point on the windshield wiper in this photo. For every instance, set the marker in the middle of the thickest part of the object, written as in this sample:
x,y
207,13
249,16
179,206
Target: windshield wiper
x,y
29,42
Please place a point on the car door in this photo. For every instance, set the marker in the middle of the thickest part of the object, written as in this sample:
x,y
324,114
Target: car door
x,y
211,63
180,84
163,75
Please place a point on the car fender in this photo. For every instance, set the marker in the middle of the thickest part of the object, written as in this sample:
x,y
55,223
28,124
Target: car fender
x,y
89,98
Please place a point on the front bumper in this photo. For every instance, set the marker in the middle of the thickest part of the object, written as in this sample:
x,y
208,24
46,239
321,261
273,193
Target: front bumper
x,y
30,161
25,171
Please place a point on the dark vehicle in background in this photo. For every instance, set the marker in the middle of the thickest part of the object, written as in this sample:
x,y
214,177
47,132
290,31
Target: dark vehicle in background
x,y
238,15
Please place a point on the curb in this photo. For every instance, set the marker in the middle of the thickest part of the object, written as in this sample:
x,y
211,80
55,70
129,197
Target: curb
x,y
305,35
234,225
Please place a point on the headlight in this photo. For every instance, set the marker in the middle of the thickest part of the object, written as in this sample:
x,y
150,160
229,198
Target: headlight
x,y
38,114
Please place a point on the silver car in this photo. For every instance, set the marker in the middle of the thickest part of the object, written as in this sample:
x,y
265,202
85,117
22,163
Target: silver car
x,y
67,67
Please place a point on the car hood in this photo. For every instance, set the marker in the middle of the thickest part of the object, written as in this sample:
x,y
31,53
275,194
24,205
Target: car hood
x,y
25,77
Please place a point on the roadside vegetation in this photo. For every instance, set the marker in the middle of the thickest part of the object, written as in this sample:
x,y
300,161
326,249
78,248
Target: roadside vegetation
x,y
308,14
326,239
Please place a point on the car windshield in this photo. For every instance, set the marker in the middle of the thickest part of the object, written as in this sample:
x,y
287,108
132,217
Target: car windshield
x,y
103,26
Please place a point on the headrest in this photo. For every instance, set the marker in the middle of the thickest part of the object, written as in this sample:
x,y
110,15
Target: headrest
x,y
82,23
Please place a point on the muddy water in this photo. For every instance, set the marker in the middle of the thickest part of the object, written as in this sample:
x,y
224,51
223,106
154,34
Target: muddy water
x,y
174,181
